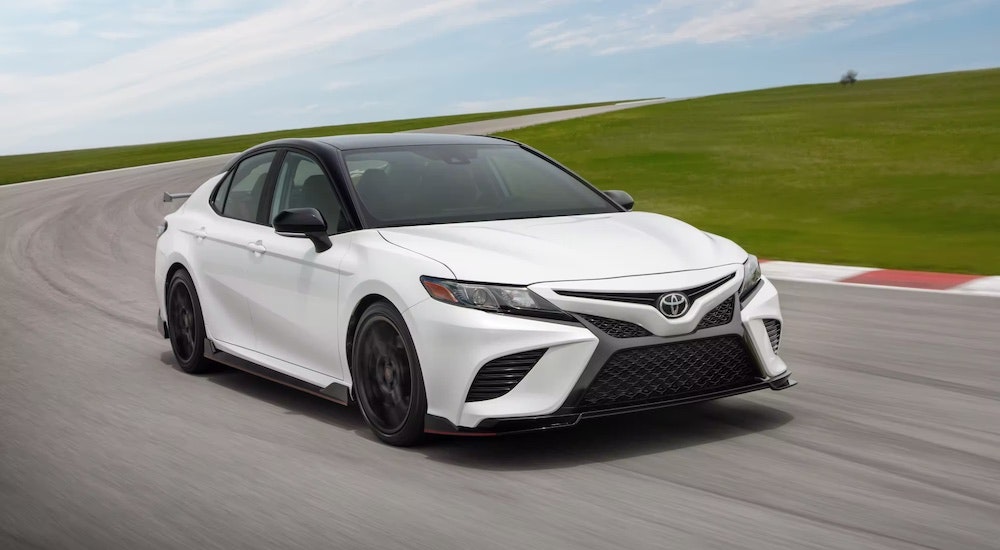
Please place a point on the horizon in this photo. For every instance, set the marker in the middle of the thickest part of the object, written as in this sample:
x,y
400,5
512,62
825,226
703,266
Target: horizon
x,y
305,128
98,76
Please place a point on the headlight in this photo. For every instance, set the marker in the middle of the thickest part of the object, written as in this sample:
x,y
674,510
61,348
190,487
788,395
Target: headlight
x,y
516,300
161,229
751,277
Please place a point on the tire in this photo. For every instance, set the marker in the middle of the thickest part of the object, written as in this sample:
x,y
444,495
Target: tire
x,y
388,382
186,324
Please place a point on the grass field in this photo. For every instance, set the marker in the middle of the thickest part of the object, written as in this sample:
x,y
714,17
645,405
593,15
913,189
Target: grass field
x,y
898,173
15,168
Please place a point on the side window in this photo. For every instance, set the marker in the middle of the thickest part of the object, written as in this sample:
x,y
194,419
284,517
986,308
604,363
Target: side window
x,y
302,184
220,194
246,188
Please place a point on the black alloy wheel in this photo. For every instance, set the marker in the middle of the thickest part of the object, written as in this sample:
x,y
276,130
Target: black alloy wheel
x,y
389,385
185,324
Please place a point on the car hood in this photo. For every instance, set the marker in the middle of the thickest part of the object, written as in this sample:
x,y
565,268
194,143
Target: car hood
x,y
597,246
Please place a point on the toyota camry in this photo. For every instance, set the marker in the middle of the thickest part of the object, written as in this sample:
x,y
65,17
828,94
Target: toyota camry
x,y
457,284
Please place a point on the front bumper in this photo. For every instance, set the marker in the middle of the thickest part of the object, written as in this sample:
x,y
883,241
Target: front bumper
x,y
502,426
454,343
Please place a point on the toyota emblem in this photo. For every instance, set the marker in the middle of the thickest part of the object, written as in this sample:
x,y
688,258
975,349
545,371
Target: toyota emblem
x,y
673,305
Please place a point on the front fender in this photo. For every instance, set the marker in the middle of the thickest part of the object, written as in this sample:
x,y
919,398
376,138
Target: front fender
x,y
373,266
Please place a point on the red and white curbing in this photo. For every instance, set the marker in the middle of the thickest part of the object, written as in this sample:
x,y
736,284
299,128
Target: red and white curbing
x,y
921,280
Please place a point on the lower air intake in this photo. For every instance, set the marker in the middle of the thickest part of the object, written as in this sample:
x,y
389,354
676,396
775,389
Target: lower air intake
x,y
500,375
773,327
669,371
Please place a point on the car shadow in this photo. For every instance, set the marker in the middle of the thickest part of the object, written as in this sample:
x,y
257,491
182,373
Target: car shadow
x,y
292,400
594,440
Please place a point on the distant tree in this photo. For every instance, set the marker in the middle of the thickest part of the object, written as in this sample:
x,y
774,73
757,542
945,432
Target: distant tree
x,y
850,77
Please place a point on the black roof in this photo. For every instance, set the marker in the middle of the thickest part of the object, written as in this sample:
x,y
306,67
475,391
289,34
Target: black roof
x,y
365,141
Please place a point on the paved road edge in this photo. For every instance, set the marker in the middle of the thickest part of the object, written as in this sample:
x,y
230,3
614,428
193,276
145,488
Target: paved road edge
x,y
952,283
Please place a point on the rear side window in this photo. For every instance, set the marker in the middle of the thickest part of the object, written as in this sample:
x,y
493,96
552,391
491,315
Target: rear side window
x,y
219,198
242,193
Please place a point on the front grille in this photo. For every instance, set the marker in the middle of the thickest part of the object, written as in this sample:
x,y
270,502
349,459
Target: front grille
x,y
720,315
647,298
773,327
616,328
500,375
668,371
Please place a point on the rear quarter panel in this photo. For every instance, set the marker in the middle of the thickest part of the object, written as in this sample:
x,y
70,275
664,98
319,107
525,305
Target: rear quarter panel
x,y
175,245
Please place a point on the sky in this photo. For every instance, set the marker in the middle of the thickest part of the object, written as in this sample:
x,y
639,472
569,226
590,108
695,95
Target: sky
x,y
93,73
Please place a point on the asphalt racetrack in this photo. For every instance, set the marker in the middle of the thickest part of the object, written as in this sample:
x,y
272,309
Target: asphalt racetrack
x,y
891,439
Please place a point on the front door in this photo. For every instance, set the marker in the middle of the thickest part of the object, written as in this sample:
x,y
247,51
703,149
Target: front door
x,y
294,306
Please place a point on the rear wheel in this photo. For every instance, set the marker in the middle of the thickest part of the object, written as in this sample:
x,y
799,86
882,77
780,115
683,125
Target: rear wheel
x,y
186,324
387,377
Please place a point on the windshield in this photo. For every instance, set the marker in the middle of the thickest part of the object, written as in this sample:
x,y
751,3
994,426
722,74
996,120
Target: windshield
x,y
425,184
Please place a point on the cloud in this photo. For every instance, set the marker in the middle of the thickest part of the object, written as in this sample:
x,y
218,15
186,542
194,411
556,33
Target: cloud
x,y
60,28
182,12
118,35
227,58
336,85
298,111
11,50
49,6
702,22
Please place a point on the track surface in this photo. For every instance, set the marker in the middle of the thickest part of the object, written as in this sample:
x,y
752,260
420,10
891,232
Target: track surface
x,y
891,440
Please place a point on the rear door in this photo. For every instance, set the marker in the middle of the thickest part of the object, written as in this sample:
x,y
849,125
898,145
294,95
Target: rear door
x,y
225,249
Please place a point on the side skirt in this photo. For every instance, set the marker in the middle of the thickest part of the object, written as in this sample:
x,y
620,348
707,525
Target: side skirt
x,y
338,393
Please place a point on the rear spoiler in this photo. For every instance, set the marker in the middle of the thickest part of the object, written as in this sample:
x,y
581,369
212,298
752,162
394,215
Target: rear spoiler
x,y
171,197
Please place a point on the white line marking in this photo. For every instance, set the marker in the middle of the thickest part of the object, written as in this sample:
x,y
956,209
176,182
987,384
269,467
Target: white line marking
x,y
952,291
816,272
988,286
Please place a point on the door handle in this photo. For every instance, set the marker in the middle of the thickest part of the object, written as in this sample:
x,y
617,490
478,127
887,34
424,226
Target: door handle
x,y
200,234
257,248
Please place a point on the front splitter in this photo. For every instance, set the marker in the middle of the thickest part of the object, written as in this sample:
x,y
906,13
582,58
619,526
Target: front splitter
x,y
504,426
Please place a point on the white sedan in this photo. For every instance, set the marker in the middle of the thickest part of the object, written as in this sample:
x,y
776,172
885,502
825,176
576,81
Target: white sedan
x,y
457,284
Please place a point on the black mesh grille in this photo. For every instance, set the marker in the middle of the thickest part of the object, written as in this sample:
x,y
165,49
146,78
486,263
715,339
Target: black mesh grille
x,y
773,327
616,328
657,373
720,315
500,375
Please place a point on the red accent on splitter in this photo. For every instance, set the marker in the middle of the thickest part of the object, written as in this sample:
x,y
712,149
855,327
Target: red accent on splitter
x,y
461,434
911,279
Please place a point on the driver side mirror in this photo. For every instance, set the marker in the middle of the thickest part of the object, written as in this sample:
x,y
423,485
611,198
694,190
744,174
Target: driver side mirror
x,y
621,198
303,222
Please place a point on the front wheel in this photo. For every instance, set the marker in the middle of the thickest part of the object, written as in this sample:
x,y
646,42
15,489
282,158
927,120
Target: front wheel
x,y
387,377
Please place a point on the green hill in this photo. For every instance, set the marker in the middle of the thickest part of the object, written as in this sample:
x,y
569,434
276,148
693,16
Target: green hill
x,y
15,168
899,173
